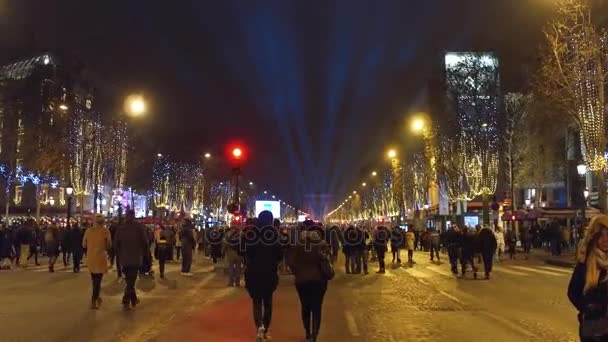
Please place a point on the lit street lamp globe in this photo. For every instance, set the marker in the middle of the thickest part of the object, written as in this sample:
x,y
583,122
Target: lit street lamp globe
x,y
392,154
581,169
135,105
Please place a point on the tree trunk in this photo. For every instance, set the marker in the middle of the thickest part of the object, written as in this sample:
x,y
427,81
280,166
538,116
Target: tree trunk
x,y
37,203
486,209
601,189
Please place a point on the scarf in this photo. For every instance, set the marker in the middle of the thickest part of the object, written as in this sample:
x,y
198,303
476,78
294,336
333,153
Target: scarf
x,y
596,262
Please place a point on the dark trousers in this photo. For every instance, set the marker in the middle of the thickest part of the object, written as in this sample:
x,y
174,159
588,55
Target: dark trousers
x,y
112,255
162,258
77,256
380,252
396,254
34,253
130,277
488,259
262,311
467,259
178,251
311,300
186,259
347,262
96,279
66,256
453,255
170,253
434,251
410,255
355,266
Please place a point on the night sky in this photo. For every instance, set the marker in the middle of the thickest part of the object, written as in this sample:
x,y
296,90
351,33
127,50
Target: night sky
x,y
317,88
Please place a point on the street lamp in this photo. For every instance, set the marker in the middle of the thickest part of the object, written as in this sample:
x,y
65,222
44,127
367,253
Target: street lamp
x,y
250,183
135,105
363,184
581,169
374,173
69,190
207,155
354,192
418,125
52,201
586,194
159,155
392,154
63,107
527,201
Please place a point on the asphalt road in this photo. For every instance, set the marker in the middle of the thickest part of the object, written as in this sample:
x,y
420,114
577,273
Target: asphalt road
x,y
524,301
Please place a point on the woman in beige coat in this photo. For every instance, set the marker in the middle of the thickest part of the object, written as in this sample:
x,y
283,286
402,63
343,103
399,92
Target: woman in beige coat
x,y
97,241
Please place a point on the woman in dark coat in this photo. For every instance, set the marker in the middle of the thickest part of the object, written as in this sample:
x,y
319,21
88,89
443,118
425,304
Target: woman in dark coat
x,y
262,252
588,289
487,247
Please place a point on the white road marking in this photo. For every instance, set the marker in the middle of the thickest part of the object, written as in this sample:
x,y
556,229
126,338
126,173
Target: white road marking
x,y
417,273
530,269
557,269
352,325
451,297
504,270
439,271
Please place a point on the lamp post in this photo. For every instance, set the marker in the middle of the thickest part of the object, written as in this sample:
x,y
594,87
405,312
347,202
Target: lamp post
x,y
582,172
69,190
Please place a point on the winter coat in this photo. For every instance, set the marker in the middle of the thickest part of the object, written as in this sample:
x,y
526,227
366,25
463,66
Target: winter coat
x,y
75,236
381,238
304,259
487,241
131,244
350,241
186,237
25,235
97,241
594,303
453,238
468,243
262,259
232,245
434,239
397,239
410,240
51,238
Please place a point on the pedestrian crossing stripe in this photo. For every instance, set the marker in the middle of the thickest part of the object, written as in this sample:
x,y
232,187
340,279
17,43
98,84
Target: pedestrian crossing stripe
x,y
557,269
440,271
529,269
507,271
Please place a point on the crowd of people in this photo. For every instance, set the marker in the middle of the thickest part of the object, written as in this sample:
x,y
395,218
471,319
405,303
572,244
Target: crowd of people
x,y
261,248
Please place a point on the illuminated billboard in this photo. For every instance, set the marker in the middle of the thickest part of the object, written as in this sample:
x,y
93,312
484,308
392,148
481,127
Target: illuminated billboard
x,y
273,206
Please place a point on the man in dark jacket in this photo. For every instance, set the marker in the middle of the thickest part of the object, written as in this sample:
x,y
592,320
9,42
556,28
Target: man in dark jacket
x,y
452,241
487,247
188,245
75,244
434,245
349,249
381,237
131,245
6,247
262,253
468,243
25,238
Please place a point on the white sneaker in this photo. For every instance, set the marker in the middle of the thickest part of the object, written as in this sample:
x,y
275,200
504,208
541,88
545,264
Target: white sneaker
x,y
187,274
260,336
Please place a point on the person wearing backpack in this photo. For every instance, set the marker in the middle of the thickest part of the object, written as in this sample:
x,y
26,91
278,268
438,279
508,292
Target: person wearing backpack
x,y
305,259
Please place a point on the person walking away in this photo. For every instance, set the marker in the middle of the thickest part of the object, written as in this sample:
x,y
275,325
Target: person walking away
x,y
588,288
305,259
348,248
178,242
66,251
162,249
6,247
24,239
217,236
396,243
410,240
113,228
51,238
434,245
75,241
131,244
381,238
487,246
358,250
566,238
334,241
262,256
231,251
468,251
453,241
511,239
526,240
97,241
500,241
35,245
187,244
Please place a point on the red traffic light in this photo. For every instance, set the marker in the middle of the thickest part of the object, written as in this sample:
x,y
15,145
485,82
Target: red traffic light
x,y
237,152
513,218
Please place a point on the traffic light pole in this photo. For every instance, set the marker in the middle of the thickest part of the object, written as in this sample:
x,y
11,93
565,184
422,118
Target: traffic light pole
x,y
237,172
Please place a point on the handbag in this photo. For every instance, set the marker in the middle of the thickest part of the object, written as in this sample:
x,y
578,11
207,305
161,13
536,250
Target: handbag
x,y
327,269
595,329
